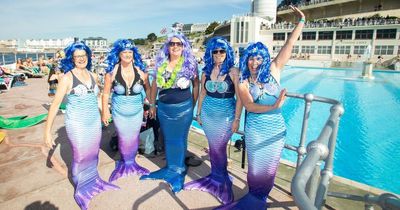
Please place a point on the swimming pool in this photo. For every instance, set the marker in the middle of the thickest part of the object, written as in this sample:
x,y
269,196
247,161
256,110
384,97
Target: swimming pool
x,y
368,144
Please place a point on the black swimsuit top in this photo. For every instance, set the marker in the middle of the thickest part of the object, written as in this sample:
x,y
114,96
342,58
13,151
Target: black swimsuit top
x,y
79,89
119,84
220,89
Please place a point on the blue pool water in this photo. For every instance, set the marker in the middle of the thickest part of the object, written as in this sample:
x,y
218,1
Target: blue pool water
x,y
368,144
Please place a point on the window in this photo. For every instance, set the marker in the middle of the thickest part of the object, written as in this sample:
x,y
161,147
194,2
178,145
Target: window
x,y
359,49
288,35
309,35
325,35
386,34
342,50
384,50
344,34
237,32
364,34
308,49
246,38
324,50
296,49
279,36
276,49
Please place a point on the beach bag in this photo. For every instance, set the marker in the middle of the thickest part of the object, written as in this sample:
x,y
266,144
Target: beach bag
x,y
147,141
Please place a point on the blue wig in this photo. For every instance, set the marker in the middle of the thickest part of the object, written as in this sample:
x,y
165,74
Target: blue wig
x,y
218,43
256,49
67,63
119,46
189,67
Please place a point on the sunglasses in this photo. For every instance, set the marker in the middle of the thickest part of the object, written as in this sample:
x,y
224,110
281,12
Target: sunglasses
x,y
177,44
256,58
218,51
80,56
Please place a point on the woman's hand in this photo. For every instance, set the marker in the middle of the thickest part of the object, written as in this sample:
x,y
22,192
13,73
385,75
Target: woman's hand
x,y
48,140
153,112
199,120
297,12
235,125
105,116
282,97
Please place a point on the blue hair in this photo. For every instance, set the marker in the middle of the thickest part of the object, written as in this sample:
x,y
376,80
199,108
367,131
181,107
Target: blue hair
x,y
189,67
256,49
67,63
218,43
119,46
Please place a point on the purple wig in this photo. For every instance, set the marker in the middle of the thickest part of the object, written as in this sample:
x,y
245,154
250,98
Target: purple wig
x,y
119,46
218,43
256,49
189,67
67,63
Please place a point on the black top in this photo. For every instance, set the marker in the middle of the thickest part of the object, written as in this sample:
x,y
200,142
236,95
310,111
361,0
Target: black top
x,y
119,80
228,93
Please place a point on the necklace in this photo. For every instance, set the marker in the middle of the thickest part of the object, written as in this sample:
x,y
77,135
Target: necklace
x,y
161,81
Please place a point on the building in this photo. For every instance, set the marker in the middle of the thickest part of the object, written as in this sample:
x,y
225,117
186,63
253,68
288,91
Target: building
x,y
97,44
334,30
47,44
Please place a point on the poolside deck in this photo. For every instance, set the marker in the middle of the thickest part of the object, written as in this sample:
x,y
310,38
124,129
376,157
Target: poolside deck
x,y
33,177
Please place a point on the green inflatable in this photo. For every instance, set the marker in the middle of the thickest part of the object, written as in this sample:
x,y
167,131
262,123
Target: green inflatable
x,y
20,121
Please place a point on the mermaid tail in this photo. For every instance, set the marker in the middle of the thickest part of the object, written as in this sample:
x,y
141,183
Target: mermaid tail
x,y
83,127
217,117
264,143
175,121
127,114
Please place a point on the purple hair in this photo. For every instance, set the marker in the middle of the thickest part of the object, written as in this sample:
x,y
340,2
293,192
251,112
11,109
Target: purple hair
x,y
189,67
67,63
256,49
119,46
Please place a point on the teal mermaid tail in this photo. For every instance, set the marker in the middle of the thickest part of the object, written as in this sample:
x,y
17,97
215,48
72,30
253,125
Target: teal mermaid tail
x,y
127,114
83,127
217,117
175,121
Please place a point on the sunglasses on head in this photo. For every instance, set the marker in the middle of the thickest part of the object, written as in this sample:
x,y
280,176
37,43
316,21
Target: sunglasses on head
x,y
219,51
178,44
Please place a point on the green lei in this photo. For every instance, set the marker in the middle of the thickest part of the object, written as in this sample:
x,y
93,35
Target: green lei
x,y
160,79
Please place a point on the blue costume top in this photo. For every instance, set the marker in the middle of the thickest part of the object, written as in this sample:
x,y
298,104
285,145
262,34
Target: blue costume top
x,y
120,86
220,89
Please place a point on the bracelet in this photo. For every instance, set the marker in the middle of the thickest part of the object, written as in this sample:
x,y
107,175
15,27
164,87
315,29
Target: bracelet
x,y
152,105
197,115
238,119
302,20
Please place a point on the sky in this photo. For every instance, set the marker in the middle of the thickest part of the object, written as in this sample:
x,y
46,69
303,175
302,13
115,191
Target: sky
x,y
112,19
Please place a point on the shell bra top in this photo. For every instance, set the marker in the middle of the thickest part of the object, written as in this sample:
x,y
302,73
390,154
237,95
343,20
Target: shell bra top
x,y
121,88
80,89
270,88
220,89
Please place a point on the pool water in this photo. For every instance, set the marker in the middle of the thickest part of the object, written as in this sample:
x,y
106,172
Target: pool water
x,y
368,143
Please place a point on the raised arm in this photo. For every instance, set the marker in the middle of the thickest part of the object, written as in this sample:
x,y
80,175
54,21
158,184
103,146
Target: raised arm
x,y
283,56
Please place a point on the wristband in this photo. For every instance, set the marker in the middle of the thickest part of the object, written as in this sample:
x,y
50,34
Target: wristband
x,y
238,119
302,20
152,105
197,115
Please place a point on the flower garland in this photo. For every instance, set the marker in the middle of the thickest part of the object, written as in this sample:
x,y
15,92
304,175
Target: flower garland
x,y
161,80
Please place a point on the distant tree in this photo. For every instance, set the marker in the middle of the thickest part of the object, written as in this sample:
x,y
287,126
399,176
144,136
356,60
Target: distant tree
x,y
211,27
139,41
152,37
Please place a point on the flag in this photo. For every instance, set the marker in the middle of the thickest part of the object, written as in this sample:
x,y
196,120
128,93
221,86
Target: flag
x,y
163,31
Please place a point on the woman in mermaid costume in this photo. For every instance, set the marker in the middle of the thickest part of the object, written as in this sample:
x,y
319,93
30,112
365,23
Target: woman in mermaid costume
x,y
265,130
82,122
176,70
219,114
125,76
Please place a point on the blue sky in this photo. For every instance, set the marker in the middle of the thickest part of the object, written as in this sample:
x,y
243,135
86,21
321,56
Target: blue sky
x,y
112,19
